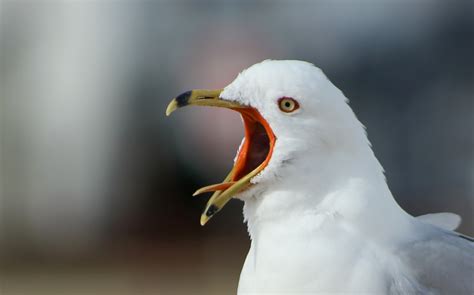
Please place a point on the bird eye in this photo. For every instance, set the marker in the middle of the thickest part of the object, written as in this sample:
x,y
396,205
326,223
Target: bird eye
x,y
288,104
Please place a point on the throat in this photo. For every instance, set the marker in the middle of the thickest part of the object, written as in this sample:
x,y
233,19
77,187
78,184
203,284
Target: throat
x,y
255,150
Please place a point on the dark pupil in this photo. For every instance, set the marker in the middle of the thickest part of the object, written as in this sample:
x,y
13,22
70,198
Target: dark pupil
x,y
287,104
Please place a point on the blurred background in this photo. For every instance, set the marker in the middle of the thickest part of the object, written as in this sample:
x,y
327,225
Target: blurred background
x,y
95,182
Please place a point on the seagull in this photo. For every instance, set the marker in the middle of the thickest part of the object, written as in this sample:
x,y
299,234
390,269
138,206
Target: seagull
x,y
320,215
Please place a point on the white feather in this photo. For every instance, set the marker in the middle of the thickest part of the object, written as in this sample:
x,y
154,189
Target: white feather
x,y
321,216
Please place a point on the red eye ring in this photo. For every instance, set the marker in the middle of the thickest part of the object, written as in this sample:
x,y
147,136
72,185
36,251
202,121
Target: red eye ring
x,y
288,104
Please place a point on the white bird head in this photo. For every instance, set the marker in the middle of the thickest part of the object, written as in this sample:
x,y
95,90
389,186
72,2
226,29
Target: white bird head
x,y
297,123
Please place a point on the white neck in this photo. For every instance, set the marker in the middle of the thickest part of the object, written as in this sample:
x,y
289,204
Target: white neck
x,y
321,218
348,187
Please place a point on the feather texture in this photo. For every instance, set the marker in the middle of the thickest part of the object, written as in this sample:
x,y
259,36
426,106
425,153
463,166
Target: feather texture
x,y
321,216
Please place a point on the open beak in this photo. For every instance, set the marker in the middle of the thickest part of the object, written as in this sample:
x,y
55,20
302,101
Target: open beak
x,y
252,158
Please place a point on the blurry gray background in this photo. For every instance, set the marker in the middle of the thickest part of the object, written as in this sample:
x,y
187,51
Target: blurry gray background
x,y
95,182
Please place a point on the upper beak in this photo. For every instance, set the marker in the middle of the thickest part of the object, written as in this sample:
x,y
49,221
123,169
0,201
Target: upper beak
x,y
200,97
224,191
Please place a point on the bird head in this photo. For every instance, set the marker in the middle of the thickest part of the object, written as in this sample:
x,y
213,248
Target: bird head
x,y
290,112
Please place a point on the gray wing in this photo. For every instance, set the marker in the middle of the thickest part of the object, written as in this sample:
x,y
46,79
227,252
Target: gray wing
x,y
442,262
445,220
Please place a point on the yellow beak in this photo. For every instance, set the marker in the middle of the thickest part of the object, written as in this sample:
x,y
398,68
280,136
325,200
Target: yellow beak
x,y
236,181
200,97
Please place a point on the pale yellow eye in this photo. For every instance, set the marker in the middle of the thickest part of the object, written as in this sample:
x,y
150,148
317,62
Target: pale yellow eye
x,y
288,104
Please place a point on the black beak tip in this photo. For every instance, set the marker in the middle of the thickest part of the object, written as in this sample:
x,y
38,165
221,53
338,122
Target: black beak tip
x,y
183,98
211,210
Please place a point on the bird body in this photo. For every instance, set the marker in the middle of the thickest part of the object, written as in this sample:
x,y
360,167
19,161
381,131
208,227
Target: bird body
x,y
319,212
328,252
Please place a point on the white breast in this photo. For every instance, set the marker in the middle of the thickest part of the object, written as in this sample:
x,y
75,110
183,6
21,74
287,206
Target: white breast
x,y
318,255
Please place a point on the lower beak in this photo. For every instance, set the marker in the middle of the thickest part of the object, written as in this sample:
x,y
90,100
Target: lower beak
x,y
224,191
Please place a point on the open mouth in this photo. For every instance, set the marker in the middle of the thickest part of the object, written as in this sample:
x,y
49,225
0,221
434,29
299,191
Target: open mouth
x,y
258,144
253,155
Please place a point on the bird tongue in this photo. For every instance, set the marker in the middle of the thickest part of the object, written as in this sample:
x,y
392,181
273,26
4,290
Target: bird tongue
x,y
214,187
